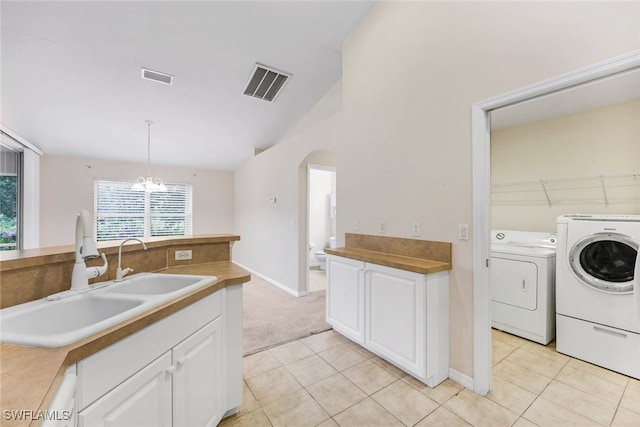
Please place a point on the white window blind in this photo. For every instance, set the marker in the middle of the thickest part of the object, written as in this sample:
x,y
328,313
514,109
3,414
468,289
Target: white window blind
x,y
121,212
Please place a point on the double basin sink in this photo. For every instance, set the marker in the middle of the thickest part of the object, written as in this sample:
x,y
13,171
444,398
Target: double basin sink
x,y
50,324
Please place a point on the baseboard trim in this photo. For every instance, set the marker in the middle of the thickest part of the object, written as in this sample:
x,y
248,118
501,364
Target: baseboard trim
x,y
460,378
273,282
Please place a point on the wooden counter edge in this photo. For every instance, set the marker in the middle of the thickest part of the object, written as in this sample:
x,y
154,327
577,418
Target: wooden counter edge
x,y
416,265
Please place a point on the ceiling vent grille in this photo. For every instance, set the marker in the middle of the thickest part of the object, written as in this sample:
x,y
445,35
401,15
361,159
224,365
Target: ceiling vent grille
x,y
157,76
265,83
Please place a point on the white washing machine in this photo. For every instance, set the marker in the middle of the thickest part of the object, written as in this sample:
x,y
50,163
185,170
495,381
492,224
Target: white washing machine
x,y
598,290
522,283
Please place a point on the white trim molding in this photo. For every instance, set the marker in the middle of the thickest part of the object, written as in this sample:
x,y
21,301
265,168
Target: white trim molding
x,y
4,129
460,378
481,143
273,282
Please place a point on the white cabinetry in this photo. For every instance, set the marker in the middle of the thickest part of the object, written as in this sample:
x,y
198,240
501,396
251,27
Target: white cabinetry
x,y
198,378
142,400
401,316
179,371
345,296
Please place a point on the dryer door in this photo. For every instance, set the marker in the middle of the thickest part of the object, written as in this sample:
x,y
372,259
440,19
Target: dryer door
x,y
605,261
514,282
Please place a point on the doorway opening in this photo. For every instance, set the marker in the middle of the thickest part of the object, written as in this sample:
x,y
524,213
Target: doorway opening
x,y
310,240
321,218
481,139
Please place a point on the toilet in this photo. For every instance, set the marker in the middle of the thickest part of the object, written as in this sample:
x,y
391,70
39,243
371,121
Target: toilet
x,y
321,256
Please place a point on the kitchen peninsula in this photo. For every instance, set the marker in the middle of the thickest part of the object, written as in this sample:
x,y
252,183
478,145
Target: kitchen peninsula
x,y
30,376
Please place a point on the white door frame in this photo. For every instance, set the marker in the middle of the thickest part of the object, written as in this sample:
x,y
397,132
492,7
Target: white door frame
x,y
307,263
481,140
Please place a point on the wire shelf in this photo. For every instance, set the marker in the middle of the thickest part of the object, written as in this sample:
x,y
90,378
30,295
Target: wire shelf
x,y
605,189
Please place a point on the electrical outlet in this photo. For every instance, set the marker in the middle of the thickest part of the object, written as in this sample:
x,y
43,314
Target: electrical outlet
x,y
383,227
416,229
355,225
183,255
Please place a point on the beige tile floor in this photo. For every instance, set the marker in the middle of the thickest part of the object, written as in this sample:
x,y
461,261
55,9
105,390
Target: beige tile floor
x,y
326,380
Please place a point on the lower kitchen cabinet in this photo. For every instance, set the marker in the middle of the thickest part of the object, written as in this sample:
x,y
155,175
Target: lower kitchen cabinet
x,y
399,315
183,387
345,302
184,370
142,400
198,378
396,316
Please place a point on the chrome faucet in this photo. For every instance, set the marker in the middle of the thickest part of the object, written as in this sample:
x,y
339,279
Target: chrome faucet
x,y
85,249
120,273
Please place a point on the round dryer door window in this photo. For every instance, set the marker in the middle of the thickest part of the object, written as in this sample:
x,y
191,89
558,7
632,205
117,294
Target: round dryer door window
x,y
605,261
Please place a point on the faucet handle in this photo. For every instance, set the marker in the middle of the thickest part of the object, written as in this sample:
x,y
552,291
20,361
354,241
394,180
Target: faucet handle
x,y
121,272
93,272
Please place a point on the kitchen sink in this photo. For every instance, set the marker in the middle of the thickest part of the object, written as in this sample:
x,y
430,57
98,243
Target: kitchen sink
x,y
158,284
55,323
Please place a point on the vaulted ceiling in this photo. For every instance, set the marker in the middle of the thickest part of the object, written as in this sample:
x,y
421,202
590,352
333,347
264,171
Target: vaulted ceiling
x,y
71,74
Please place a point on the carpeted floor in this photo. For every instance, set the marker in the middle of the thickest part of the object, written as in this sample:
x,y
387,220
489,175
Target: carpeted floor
x,y
272,316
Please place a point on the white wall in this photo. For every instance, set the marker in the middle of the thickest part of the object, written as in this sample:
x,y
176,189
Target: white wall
x,y
274,236
66,186
604,141
411,72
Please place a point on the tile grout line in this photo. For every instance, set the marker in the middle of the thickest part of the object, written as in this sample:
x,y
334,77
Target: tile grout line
x,y
554,378
372,357
620,401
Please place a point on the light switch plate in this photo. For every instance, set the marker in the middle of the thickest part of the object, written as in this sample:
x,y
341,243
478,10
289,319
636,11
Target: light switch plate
x,y
463,231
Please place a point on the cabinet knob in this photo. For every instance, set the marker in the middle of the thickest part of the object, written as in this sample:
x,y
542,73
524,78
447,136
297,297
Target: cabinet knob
x,y
171,369
182,361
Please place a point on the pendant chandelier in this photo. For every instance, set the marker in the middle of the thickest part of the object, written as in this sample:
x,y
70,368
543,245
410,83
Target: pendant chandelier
x,y
149,184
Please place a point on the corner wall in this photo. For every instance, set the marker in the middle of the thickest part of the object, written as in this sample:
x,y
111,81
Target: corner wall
x,y
411,72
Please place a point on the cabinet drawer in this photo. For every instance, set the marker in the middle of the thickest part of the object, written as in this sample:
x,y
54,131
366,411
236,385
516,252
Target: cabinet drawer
x,y
98,373
601,345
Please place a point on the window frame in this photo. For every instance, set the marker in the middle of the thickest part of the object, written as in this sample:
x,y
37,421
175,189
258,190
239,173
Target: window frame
x,y
28,214
17,150
148,214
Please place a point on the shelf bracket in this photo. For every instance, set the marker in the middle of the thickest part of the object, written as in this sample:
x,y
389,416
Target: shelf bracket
x,y
546,193
604,192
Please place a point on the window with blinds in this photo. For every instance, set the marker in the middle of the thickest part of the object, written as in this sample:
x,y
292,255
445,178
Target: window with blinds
x,y
121,212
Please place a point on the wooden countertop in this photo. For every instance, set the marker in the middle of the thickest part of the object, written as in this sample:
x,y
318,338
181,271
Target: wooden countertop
x,y
29,376
417,265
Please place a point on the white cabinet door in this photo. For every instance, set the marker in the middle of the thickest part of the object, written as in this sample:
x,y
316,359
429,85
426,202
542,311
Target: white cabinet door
x,y
396,318
142,400
345,296
198,380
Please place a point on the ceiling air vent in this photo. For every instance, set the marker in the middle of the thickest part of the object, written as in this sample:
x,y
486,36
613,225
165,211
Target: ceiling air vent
x,y
157,76
265,83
